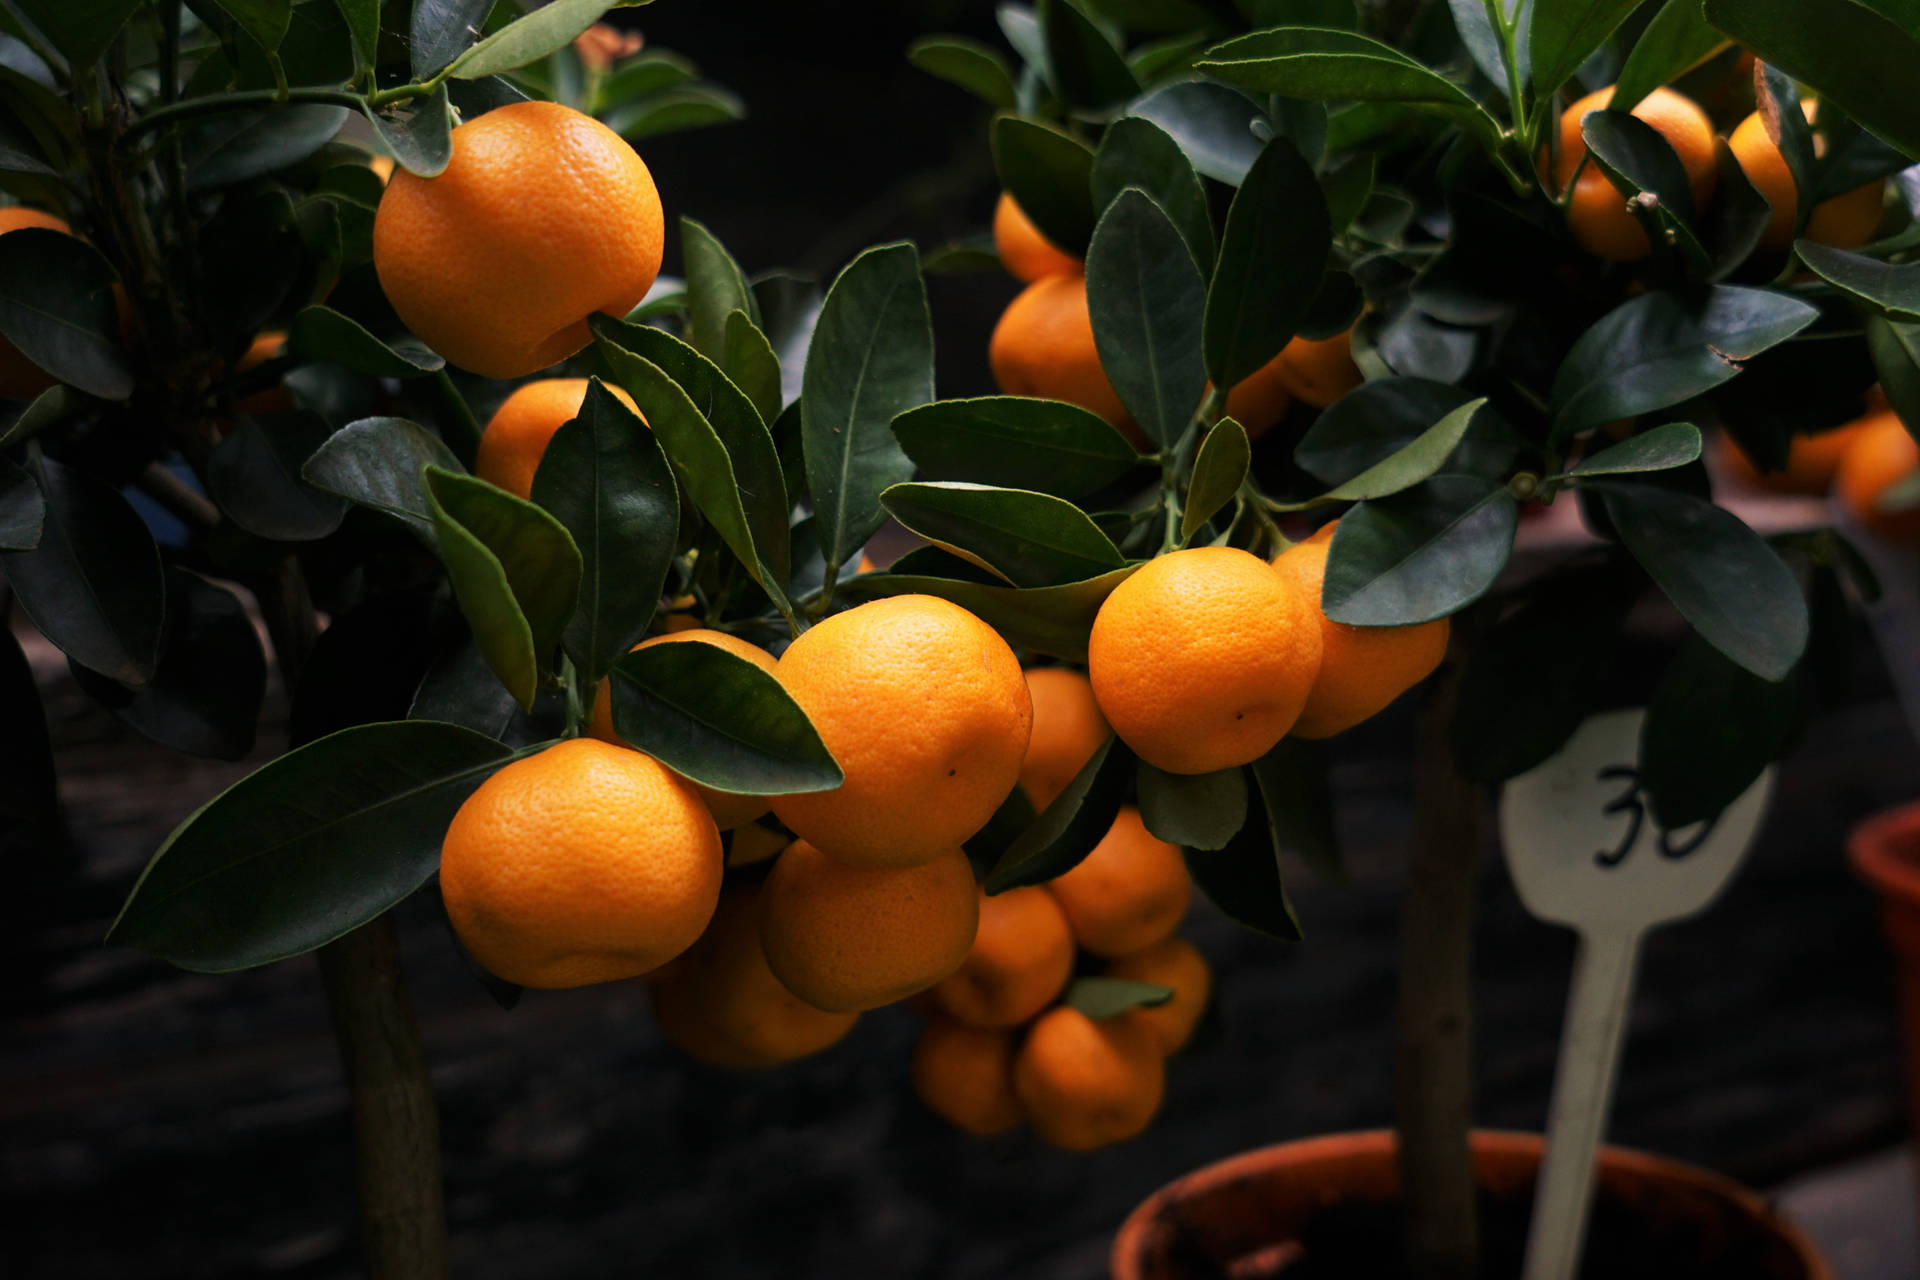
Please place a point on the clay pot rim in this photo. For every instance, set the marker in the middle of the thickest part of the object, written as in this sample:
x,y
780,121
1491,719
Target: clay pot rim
x,y
1874,850
1382,1143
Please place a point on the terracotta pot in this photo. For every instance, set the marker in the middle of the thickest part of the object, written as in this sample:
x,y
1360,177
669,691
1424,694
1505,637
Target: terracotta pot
x,y
1244,1215
1885,852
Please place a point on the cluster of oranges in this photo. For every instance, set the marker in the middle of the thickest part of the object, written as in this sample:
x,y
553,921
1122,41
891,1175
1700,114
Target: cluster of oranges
x,y
1858,462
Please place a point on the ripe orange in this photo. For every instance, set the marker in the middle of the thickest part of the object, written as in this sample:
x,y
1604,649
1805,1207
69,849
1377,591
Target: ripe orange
x,y
965,1076
1204,658
1021,958
21,378
1084,1083
1598,213
721,1004
1362,669
544,217
1172,962
266,344
1043,346
1845,221
1811,461
1318,371
926,710
583,863
729,810
1259,400
847,938
1067,729
1024,252
518,433
1881,455
1126,895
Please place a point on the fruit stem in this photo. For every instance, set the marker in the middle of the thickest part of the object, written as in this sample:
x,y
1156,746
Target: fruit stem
x,y
579,705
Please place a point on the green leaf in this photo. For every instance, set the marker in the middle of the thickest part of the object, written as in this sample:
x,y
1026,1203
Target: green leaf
x,y
1243,880
648,72
1030,539
1345,185
720,720
748,360
1483,43
1016,443
1377,419
605,479
265,20
23,512
56,306
1656,350
419,132
1049,174
50,408
323,334
870,360
1212,123
81,29
1890,290
363,20
441,30
1135,152
1197,810
1219,469
978,68
254,476
1419,555
531,37
1088,71
1146,297
379,463
695,106
1721,575
461,689
1333,66
1298,800
515,571
1672,444
1271,255
1067,831
1740,214
1677,40
1636,158
1050,620
1895,349
1420,458
1864,62
238,148
1560,36
93,584
987,845
307,848
1102,997
1711,728
715,287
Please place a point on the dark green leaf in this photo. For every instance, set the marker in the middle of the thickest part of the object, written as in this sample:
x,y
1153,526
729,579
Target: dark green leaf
x,y
1219,468
1377,419
1103,997
363,20
1562,35
1891,290
442,30
991,842
1672,444
1677,40
1722,576
748,360
1271,254
515,571
1017,443
1212,123
1197,810
1088,71
23,511
1067,831
530,37
1243,880
1471,20
695,106
1030,539
975,67
1050,620
307,848
265,20
378,463
234,149
790,306
715,287
1135,152
1298,800
418,132
460,688
1637,158
323,334
81,29
1656,350
50,408
1419,555
719,719
1740,214
1146,297
254,476
1049,174
1895,349
1413,462
649,72
1345,186
1711,728
94,585
604,477
871,359
56,306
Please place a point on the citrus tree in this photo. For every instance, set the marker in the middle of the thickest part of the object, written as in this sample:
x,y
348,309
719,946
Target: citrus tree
x,y
1323,298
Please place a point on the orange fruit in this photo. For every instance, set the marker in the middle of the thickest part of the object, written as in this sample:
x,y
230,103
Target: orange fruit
x,y
1318,371
1021,958
847,938
267,344
1597,214
1811,461
1881,455
382,167
583,863
926,710
721,1004
543,217
1043,346
1259,400
752,843
1172,962
965,1076
1204,658
1085,1083
1024,252
1362,669
1126,895
1845,221
729,810
21,378
517,435
1067,729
